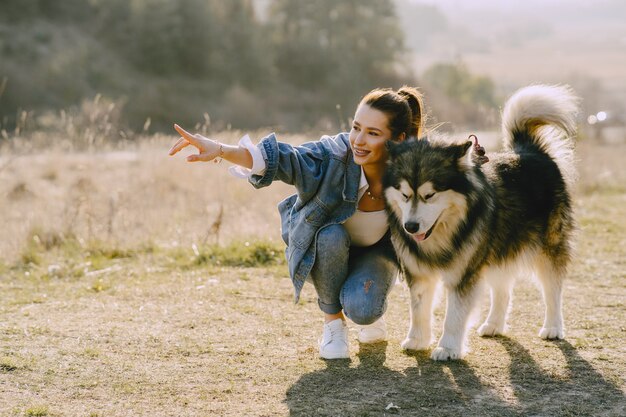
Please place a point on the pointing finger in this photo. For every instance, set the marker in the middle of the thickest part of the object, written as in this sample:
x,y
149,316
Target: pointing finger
x,y
191,138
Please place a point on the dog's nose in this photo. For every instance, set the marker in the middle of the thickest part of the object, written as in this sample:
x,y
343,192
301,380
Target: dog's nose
x,y
411,227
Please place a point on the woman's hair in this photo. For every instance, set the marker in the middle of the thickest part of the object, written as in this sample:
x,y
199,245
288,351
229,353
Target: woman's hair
x,y
404,109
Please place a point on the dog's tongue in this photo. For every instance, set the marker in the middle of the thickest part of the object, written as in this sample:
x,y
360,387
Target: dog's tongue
x,y
420,237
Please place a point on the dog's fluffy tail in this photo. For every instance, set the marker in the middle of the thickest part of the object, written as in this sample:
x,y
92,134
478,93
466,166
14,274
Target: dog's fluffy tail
x,y
545,116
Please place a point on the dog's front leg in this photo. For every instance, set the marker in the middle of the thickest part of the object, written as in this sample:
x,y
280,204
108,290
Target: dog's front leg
x,y
458,309
422,291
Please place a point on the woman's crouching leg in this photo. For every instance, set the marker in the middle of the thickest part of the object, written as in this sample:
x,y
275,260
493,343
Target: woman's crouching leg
x,y
330,269
371,274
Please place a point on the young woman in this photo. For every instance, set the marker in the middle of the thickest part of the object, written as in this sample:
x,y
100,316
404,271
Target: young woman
x,y
335,226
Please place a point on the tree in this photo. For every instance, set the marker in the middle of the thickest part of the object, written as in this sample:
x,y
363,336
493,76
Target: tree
x,y
338,49
157,28
458,83
456,94
18,10
242,47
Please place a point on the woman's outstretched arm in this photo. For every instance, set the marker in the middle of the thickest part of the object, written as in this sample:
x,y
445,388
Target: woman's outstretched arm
x,y
210,149
302,166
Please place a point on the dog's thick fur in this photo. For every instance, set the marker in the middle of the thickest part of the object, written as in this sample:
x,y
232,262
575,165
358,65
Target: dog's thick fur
x,y
468,224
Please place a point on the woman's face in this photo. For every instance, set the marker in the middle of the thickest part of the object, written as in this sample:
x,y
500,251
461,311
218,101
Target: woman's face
x,y
369,133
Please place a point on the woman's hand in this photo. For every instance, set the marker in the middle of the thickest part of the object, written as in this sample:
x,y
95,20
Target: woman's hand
x,y
207,149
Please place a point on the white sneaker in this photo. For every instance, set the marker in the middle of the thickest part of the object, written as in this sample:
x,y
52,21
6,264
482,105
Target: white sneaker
x,y
334,343
375,332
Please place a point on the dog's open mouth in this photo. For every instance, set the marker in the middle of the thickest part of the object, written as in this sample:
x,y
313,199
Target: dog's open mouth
x,y
423,236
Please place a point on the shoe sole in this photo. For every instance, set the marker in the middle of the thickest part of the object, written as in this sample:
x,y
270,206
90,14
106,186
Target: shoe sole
x,y
370,341
331,357
364,339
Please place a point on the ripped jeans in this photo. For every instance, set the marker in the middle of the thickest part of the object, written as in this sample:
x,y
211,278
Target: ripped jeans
x,y
354,279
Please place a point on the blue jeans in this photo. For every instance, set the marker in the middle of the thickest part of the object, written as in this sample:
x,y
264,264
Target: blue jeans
x,y
354,279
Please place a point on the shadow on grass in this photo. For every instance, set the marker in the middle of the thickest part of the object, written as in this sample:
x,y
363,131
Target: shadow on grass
x,y
583,391
452,388
372,389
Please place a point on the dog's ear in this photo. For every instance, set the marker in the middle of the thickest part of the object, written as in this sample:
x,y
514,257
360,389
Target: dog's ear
x,y
392,148
463,155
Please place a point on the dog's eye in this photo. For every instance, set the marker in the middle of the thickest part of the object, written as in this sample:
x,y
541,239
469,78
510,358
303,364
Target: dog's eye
x,y
406,197
429,196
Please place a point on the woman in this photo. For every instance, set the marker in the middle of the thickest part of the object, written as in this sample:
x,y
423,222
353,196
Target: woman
x,y
335,226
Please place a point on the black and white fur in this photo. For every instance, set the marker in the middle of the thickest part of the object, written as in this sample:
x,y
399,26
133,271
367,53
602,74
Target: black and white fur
x,y
468,224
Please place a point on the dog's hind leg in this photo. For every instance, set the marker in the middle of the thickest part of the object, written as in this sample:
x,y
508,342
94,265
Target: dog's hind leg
x,y
551,277
422,291
500,282
460,303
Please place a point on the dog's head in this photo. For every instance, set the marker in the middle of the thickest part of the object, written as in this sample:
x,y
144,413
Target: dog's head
x,y
426,186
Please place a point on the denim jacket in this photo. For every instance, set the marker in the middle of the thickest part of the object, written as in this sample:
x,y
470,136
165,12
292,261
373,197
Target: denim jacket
x,y
326,180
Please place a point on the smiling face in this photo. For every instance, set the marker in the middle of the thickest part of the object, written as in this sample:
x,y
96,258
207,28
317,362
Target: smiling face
x,y
369,133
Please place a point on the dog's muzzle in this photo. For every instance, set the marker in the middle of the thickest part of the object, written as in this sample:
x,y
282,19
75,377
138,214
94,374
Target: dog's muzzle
x,y
422,236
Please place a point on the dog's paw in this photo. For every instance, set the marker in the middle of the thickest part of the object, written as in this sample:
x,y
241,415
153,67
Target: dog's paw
x,y
411,343
444,354
551,333
489,329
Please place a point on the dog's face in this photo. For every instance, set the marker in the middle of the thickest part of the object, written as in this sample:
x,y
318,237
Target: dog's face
x,y
425,187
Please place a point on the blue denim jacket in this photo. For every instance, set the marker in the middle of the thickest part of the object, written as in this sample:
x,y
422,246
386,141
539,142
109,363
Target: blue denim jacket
x,y
326,180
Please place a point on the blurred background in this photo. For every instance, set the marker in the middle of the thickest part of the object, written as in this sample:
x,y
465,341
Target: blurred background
x,y
126,285
298,65
89,90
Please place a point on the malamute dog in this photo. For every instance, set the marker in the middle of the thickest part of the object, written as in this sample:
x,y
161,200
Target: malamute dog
x,y
467,224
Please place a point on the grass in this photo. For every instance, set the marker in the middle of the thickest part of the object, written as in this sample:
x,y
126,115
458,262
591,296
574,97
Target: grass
x,y
130,197
227,340
37,411
107,325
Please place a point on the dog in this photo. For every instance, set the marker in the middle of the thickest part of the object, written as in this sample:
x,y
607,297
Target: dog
x,y
468,223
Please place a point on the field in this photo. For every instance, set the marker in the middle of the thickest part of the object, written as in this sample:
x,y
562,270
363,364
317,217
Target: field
x,y
136,284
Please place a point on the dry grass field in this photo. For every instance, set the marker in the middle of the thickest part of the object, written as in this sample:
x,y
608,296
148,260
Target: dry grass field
x,y
136,284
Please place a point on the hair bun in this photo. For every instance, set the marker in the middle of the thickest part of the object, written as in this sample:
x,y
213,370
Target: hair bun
x,y
414,100
403,108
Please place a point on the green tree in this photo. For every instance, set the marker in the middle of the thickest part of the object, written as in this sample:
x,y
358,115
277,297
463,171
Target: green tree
x,y
157,31
454,93
242,47
18,10
337,49
456,82
196,44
